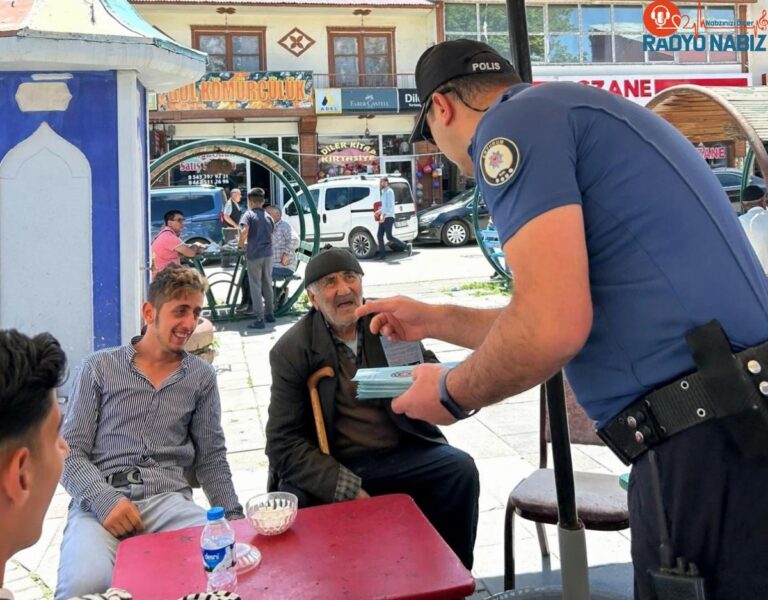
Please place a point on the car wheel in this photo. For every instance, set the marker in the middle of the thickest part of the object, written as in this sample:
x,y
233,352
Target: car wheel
x,y
455,233
362,244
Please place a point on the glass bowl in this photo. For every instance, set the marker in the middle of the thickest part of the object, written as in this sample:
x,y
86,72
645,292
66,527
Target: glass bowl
x,y
272,513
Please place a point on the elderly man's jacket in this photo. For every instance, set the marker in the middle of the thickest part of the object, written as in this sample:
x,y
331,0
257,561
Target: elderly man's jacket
x,y
292,446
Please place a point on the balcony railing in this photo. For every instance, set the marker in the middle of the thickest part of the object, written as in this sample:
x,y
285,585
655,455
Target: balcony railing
x,y
348,80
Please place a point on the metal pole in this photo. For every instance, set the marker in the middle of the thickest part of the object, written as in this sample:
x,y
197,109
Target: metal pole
x,y
518,39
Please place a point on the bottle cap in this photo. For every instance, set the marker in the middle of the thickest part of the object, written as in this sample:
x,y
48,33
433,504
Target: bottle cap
x,y
215,513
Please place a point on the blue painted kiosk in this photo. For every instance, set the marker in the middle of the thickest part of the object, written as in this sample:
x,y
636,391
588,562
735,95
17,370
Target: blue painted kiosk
x,y
73,165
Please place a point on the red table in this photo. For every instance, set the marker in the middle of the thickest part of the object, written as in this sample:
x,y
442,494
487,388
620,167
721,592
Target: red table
x,y
381,547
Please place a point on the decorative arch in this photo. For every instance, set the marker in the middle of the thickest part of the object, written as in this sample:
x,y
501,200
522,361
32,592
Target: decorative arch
x,y
706,114
287,175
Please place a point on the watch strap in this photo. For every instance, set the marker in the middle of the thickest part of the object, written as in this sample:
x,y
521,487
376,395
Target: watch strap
x,y
448,402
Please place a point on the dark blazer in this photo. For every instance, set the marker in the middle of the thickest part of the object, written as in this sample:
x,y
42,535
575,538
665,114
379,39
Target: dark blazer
x,y
292,446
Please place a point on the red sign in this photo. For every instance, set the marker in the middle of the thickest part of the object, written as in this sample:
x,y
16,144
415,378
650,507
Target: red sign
x,y
712,153
641,89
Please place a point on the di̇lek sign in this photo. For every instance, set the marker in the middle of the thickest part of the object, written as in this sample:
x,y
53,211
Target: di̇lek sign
x,y
243,90
347,153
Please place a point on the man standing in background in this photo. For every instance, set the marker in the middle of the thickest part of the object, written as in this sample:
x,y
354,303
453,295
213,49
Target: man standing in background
x,y
387,220
232,212
256,227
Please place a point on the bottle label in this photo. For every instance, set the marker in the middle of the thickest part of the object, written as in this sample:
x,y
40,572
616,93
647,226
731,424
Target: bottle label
x,y
218,559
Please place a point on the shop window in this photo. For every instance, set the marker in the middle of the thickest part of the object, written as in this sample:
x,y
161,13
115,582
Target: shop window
x,y
231,48
362,59
479,21
581,33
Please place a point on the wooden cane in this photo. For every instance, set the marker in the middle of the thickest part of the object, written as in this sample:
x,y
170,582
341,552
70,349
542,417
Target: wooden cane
x,y
317,411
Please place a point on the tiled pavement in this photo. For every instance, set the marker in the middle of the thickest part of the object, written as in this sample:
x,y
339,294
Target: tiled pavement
x,y
502,439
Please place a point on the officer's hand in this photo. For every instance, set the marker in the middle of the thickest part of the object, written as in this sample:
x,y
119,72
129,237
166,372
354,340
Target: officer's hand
x,y
422,399
399,318
124,519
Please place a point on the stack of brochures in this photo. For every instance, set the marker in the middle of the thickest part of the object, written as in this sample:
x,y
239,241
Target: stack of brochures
x,y
386,382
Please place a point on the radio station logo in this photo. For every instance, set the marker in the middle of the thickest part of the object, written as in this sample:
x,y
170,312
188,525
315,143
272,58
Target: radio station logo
x,y
670,30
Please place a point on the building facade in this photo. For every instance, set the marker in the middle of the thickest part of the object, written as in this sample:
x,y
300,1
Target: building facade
x,y
327,85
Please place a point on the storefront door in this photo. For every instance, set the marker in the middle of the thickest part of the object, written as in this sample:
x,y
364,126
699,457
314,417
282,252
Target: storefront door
x,y
401,168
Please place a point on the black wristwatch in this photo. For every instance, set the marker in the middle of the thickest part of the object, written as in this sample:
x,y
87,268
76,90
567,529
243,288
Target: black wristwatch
x,y
449,403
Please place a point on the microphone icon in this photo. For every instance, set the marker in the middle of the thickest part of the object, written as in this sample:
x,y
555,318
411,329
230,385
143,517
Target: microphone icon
x,y
660,15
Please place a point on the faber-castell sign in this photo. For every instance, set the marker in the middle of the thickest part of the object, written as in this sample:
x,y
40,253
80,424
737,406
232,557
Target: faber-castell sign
x,y
242,90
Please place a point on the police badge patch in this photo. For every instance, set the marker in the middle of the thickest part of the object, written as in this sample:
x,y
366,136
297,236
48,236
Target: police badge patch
x,y
499,161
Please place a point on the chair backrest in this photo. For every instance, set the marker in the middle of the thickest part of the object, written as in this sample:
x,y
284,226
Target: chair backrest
x,y
580,426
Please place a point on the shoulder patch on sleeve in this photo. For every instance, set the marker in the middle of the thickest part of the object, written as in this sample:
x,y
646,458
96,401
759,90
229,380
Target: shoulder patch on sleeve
x,y
499,161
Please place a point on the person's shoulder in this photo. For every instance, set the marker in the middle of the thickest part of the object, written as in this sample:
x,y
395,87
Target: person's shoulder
x,y
299,335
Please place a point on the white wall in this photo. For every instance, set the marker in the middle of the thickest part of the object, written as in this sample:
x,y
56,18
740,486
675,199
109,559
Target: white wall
x,y
414,29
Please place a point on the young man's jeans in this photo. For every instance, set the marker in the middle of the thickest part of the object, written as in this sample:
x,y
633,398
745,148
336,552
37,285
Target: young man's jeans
x,y
260,281
88,550
385,228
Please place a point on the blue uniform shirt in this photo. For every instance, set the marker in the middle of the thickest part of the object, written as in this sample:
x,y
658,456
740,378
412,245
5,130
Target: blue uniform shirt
x,y
666,251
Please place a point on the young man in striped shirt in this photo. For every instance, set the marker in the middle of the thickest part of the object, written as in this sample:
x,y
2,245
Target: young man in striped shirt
x,y
142,419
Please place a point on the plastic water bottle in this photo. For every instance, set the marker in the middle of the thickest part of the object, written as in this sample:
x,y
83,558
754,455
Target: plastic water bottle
x,y
218,547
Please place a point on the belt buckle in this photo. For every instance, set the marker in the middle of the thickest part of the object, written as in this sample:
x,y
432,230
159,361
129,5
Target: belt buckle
x,y
133,476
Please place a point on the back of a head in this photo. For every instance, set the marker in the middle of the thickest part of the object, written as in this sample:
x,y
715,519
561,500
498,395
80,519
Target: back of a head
x,y
30,367
752,193
256,196
175,281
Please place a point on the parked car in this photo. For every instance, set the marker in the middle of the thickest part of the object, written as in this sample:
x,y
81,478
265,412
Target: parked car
x,y
451,223
730,179
345,207
201,205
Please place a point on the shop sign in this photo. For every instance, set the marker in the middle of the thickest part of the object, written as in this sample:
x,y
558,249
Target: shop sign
x,y
328,101
408,100
366,100
712,152
242,90
348,152
641,89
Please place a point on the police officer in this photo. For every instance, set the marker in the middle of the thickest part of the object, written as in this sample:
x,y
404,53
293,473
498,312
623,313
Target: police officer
x,y
622,243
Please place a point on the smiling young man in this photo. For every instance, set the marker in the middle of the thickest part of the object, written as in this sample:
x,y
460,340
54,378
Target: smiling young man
x,y
373,451
142,418
32,450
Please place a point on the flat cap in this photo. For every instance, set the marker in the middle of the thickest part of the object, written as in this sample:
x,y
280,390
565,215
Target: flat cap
x,y
330,261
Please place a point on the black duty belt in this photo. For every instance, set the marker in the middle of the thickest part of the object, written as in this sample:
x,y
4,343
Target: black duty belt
x,y
125,478
686,402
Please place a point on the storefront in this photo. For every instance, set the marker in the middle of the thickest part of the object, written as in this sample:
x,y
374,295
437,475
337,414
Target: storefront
x,y
274,110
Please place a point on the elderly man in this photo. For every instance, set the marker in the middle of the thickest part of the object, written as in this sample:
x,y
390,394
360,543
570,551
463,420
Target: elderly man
x,y
143,418
32,450
232,211
372,450
285,242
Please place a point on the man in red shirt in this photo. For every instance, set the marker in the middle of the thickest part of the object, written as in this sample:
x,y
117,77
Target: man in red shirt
x,y
167,247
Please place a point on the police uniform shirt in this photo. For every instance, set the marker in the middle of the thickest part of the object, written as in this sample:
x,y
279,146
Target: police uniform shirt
x,y
666,251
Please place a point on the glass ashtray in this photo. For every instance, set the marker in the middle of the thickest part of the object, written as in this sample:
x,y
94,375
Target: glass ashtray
x,y
247,557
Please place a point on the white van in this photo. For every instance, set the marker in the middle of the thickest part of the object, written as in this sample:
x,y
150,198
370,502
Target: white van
x,y
345,207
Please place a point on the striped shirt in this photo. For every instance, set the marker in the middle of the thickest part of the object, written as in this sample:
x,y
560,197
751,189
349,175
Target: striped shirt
x,y
284,241
117,420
